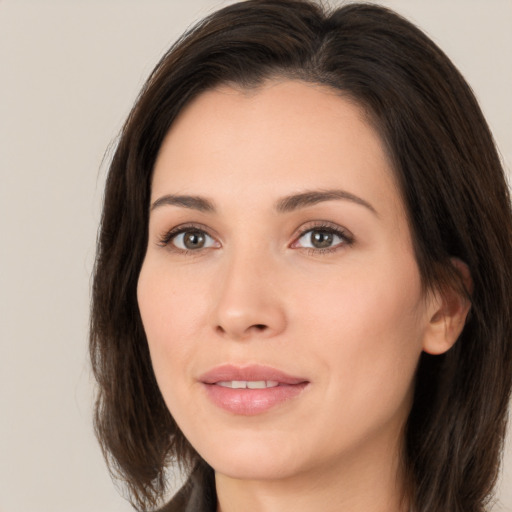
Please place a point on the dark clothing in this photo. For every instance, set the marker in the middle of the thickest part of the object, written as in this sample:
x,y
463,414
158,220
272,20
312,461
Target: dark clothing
x,y
197,495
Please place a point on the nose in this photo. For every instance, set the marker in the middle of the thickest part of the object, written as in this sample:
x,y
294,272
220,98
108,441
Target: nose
x,y
248,302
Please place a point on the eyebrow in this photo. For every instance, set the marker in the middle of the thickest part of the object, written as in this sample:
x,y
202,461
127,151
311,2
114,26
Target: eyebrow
x,y
284,205
310,198
193,202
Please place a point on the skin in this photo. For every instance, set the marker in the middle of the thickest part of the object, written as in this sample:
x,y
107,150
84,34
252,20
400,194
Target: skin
x,y
353,320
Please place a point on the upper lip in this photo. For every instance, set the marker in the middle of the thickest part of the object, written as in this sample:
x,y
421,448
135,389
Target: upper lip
x,y
254,372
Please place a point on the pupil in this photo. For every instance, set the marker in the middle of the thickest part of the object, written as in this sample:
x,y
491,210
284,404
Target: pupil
x,y
193,240
321,239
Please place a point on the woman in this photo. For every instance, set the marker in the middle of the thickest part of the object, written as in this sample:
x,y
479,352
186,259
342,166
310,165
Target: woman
x,y
302,288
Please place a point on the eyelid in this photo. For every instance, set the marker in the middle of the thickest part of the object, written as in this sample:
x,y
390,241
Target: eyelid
x,y
165,239
327,226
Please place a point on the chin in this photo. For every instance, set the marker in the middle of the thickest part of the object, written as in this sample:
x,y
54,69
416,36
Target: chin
x,y
252,460
256,471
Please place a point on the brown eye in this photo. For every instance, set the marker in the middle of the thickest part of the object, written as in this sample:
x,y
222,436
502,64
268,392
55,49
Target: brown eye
x,y
192,240
321,239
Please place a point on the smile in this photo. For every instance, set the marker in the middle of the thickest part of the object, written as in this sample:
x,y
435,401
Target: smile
x,y
251,384
250,390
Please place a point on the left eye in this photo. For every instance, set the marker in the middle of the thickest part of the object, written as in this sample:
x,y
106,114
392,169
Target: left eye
x,y
192,240
320,239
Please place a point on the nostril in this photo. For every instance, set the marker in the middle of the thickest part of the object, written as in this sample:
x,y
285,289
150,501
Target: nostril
x,y
260,327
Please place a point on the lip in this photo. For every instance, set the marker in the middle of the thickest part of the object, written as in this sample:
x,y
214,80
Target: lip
x,y
249,402
250,372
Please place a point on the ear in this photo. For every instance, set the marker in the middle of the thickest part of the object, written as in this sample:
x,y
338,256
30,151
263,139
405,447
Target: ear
x,y
447,311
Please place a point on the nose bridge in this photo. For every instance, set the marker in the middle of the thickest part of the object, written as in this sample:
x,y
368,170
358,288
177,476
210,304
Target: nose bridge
x,y
248,302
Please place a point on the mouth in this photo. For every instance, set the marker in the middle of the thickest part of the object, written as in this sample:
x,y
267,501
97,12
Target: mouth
x,y
250,390
248,384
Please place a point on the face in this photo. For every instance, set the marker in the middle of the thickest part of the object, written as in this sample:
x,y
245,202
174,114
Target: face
x,y
279,293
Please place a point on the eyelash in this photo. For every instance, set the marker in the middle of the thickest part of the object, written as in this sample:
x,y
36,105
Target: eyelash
x,y
166,239
346,237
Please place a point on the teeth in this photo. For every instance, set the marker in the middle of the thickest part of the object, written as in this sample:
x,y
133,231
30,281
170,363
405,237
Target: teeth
x,y
250,384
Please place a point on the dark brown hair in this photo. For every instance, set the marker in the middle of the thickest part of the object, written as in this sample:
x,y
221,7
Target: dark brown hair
x,y
458,205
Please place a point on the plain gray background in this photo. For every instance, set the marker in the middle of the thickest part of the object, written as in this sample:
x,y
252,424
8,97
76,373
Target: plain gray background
x,y
69,73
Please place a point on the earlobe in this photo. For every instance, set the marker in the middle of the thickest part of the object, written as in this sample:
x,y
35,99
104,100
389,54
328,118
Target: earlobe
x,y
448,310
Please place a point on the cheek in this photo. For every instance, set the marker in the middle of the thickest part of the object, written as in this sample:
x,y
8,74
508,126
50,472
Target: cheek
x,y
364,301
168,300
171,316
369,326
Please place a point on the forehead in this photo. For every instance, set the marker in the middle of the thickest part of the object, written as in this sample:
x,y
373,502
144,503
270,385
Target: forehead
x,y
279,138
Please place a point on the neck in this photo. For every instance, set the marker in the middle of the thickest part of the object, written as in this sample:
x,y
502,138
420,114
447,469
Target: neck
x,y
364,482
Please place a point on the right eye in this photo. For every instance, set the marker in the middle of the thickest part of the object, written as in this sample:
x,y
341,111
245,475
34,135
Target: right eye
x,y
188,239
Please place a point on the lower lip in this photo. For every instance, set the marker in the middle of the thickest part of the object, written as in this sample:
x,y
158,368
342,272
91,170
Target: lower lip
x,y
249,402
